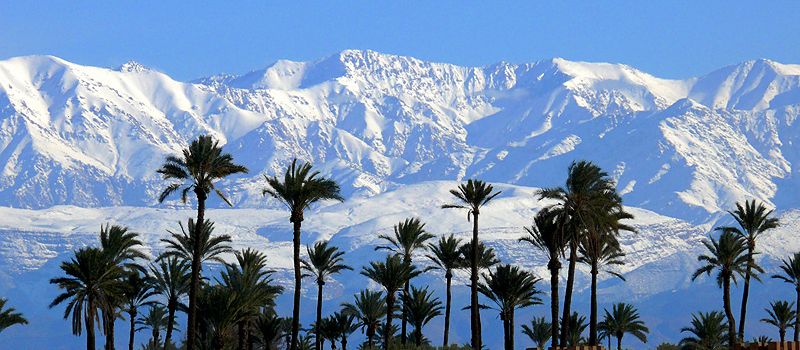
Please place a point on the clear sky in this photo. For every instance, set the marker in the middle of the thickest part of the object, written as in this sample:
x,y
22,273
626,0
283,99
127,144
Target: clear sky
x,y
191,39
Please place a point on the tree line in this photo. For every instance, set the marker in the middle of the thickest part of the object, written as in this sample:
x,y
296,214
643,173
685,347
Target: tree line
x,y
235,308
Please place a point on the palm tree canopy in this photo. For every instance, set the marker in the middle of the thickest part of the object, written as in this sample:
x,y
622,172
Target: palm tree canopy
x,y
202,164
155,318
624,319
391,274
409,236
486,256
181,245
91,275
171,278
422,307
250,281
546,234
472,196
602,250
323,261
445,254
753,219
729,255
369,307
709,332
9,316
510,288
269,329
300,188
791,270
120,243
539,331
345,324
577,325
782,314
137,289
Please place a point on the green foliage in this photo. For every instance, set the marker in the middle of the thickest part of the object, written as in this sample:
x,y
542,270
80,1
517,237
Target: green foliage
x,y
539,331
9,316
709,331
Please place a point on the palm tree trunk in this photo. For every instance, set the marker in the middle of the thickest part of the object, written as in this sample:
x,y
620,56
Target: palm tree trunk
x,y
782,333
132,314
389,313
172,305
746,292
241,334
593,313
449,277
371,336
111,320
554,267
506,341
404,323
90,343
619,342
344,342
726,299
573,258
297,284
511,329
797,319
476,318
194,287
319,316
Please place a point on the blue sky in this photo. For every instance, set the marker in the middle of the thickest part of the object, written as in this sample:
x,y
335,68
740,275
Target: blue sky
x,y
191,39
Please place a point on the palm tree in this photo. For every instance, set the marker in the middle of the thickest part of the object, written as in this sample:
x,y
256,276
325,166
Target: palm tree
x,y
763,339
171,279
201,165
219,311
93,283
270,330
299,189
445,256
781,316
391,275
250,281
753,220
135,293
9,316
576,325
600,247
546,234
323,261
155,319
729,256
345,325
120,245
409,236
182,245
386,332
582,205
791,275
622,319
422,308
368,308
473,195
708,331
486,256
539,331
510,288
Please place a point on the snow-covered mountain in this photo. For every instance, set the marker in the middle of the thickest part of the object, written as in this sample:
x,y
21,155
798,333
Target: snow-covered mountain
x,y
80,145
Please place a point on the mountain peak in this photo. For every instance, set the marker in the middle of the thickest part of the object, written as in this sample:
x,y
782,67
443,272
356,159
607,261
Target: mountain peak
x,y
131,67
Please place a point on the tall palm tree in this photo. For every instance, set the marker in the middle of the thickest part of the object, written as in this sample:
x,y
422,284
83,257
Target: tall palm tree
x,y
510,288
486,256
539,331
781,316
392,275
298,190
93,283
171,279
472,196
729,256
546,234
791,275
622,319
368,308
345,325
9,316
445,256
200,165
409,236
753,221
120,245
708,331
154,319
182,244
600,247
135,294
250,281
422,308
323,261
581,205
